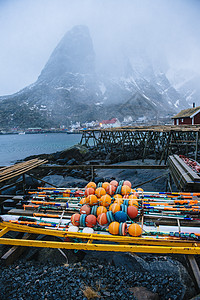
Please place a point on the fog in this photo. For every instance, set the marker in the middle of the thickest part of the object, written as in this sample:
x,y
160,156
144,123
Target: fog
x,y
166,32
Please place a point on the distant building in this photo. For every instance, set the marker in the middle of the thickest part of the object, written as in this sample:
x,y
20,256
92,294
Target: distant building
x,y
190,116
38,129
110,123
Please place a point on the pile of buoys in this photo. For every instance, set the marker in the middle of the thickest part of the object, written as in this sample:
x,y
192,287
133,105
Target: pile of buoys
x,y
110,206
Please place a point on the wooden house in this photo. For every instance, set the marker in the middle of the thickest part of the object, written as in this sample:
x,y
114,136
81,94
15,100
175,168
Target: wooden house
x,y
190,116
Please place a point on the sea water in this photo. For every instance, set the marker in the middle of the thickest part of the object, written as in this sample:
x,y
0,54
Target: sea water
x,y
14,147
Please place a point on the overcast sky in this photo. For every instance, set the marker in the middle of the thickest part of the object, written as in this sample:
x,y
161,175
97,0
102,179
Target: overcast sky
x,y
31,29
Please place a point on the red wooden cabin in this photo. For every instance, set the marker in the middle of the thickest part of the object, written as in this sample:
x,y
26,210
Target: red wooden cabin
x,y
190,116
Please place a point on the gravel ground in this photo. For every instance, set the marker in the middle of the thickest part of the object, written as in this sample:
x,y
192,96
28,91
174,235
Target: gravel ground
x,y
84,280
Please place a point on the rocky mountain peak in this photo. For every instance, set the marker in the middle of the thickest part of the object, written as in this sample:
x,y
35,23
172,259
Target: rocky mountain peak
x,y
69,89
74,54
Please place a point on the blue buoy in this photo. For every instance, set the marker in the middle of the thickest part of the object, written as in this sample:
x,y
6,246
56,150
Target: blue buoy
x,y
120,216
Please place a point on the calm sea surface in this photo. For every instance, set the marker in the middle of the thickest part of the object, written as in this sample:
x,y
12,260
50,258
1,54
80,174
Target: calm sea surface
x,y
19,146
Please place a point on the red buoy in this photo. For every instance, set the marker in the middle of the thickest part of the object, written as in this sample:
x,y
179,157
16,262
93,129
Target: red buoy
x,y
85,209
111,189
132,212
90,221
115,183
102,219
127,182
89,191
75,219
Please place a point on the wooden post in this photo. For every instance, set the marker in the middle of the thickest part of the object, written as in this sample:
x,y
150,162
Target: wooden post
x,y
196,148
92,173
195,269
146,142
24,183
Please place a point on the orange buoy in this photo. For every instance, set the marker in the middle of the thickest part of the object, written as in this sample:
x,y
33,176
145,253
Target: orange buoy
x,y
136,194
114,207
102,219
89,191
132,212
125,190
92,199
114,228
91,184
117,196
119,201
105,200
133,202
127,182
105,184
133,191
75,219
90,221
132,196
140,190
85,209
66,193
135,230
100,210
100,192
111,189
84,201
115,183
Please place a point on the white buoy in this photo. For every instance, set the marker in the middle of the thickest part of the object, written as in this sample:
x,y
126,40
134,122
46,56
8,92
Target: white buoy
x,y
73,229
88,230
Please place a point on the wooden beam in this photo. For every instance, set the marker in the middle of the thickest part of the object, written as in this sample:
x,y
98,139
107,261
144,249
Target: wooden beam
x,y
16,251
42,180
158,167
195,269
103,247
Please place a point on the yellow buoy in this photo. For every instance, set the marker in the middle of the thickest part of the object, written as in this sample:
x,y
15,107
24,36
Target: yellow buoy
x,y
100,192
105,200
114,207
114,228
125,190
91,184
101,210
92,200
135,230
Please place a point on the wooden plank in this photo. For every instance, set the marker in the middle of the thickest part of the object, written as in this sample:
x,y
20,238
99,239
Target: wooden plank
x,y
189,171
195,269
158,167
103,247
138,185
16,251
21,171
11,185
20,212
18,166
44,181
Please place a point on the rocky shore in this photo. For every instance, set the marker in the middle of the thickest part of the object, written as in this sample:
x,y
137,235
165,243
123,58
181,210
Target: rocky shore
x,y
80,155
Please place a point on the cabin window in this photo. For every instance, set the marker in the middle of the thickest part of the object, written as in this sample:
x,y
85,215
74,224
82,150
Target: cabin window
x,y
181,120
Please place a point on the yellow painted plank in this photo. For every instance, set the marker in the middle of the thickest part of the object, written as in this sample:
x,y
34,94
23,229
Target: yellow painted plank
x,y
101,237
103,247
3,231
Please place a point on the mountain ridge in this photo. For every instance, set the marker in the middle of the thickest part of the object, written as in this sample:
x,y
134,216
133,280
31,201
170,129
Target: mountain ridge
x,y
69,89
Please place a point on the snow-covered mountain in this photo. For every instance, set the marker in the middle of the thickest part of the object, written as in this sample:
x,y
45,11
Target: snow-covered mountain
x,y
70,88
187,83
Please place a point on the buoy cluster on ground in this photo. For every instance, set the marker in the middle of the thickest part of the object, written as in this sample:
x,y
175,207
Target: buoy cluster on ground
x,y
108,205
